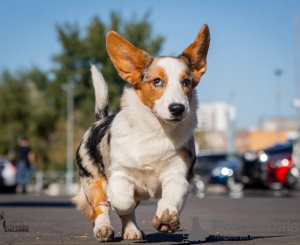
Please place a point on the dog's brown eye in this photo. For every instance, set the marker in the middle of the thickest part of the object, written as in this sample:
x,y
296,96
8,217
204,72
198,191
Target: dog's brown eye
x,y
186,82
157,82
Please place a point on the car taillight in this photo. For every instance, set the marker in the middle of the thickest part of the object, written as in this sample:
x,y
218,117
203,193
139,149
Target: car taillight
x,y
281,163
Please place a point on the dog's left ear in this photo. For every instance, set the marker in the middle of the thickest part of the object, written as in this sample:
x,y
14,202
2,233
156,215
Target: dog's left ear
x,y
128,59
196,53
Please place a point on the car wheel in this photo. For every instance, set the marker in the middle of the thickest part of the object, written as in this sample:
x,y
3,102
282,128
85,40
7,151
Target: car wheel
x,y
275,186
198,186
293,178
233,185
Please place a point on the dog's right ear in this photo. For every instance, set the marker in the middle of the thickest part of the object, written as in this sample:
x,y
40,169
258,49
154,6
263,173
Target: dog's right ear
x,y
196,54
128,59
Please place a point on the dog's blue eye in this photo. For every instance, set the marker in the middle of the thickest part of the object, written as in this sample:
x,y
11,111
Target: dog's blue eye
x,y
157,82
186,83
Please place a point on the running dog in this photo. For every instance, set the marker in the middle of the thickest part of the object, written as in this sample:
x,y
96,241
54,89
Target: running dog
x,y
147,149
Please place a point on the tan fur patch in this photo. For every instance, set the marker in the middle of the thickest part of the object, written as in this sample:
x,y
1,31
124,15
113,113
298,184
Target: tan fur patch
x,y
146,91
98,195
91,197
128,60
187,90
197,53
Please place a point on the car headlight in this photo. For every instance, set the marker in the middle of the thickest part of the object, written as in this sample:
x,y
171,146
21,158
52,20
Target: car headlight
x,y
263,157
226,171
222,171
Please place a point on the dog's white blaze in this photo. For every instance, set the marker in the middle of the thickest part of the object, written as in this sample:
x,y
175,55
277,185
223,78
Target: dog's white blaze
x,y
173,92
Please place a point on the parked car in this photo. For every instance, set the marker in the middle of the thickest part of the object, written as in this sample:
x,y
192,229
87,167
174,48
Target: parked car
x,y
8,172
281,171
218,168
227,172
255,170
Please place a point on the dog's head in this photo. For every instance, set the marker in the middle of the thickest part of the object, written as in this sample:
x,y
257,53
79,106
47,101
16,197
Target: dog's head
x,y
164,83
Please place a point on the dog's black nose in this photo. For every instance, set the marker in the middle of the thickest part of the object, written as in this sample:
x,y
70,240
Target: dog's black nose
x,y
176,109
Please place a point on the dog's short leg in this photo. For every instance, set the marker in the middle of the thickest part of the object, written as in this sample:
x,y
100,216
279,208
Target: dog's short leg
x,y
174,189
130,229
95,190
121,195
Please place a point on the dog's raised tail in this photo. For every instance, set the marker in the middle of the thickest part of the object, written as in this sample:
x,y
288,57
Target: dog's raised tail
x,y
101,94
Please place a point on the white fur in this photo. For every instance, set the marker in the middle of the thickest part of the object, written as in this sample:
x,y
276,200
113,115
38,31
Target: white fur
x,y
145,161
147,152
102,219
100,86
173,92
130,228
102,222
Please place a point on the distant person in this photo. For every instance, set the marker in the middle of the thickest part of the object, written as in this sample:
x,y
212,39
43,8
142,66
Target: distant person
x,y
26,161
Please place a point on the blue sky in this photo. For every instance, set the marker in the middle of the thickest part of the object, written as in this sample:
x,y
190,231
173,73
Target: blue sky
x,y
249,40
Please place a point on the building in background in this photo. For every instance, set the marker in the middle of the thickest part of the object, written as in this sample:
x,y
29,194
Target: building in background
x,y
215,116
255,140
290,125
216,130
216,121
271,131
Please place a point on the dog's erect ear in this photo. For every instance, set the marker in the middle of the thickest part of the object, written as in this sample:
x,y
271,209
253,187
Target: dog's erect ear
x,y
196,53
128,60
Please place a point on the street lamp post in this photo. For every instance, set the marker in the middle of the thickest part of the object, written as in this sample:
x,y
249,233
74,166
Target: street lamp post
x,y
231,125
70,135
278,74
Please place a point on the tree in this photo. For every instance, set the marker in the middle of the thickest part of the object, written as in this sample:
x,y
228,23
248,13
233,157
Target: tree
x,y
25,110
79,51
33,102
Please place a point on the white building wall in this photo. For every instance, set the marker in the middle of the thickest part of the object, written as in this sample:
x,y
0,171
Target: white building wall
x,y
214,116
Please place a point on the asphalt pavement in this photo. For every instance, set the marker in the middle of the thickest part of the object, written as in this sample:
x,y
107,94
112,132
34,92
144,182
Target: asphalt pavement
x,y
255,217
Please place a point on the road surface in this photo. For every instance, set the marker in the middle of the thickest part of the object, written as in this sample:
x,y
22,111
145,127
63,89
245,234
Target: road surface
x,y
259,217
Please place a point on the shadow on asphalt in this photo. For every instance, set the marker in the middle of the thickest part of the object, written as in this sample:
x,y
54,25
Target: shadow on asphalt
x,y
183,238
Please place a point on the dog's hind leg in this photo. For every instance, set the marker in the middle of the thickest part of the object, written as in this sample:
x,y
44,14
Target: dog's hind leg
x,y
95,190
130,228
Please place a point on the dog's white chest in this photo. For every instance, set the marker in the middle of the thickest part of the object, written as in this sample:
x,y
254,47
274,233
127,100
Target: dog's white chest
x,y
141,145
141,152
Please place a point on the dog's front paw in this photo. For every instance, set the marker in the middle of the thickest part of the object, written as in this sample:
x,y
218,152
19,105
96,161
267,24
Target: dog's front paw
x,y
133,234
167,222
104,233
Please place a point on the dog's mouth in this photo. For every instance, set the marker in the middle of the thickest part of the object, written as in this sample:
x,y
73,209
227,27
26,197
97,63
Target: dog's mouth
x,y
176,119
173,119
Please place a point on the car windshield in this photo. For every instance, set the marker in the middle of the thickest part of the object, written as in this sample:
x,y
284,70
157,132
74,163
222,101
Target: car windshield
x,y
209,161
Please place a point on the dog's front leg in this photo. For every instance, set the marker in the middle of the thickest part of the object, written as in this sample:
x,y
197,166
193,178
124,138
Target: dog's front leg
x,y
130,228
121,194
174,189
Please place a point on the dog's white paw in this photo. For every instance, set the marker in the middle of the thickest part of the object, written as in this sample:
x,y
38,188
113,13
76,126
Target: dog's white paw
x,y
103,233
133,233
168,223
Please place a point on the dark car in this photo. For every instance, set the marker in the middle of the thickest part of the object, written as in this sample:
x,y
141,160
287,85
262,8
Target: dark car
x,y
206,162
254,164
221,168
227,172
8,178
